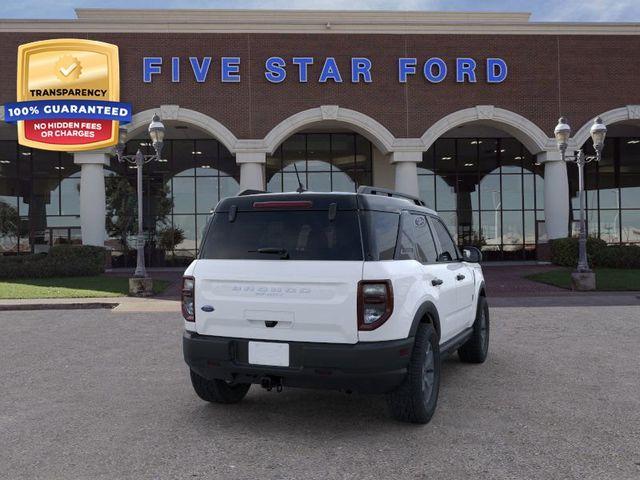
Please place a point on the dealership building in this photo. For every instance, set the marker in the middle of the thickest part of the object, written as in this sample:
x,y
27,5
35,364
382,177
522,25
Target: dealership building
x,y
457,108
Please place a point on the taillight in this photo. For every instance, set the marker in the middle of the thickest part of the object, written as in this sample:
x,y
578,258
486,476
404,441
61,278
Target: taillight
x,y
188,301
375,303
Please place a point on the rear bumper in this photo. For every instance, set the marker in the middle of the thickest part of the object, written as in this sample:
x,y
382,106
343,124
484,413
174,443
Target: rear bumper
x,y
372,367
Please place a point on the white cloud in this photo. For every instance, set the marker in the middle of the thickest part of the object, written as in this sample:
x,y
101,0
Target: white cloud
x,y
595,11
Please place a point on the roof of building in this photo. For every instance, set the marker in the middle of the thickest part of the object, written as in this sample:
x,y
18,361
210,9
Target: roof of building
x,y
311,21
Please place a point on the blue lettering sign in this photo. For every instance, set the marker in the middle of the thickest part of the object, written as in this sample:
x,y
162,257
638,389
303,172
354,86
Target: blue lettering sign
x,y
428,70
496,70
275,69
330,71
434,69
303,64
151,66
175,69
406,66
200,71
360,67
465,67
230,69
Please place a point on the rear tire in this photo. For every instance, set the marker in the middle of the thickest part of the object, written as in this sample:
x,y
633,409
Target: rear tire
x,y
218,391
415,400
475,349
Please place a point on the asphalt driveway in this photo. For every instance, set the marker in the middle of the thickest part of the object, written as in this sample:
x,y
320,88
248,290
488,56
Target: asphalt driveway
x,y
99,394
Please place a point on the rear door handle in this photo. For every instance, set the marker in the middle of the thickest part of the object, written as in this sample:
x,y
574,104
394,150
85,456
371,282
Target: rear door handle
x,y
460,277
436,281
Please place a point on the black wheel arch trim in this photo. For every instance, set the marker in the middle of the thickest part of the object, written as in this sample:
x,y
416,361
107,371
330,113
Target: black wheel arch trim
x,y
482,292
427,308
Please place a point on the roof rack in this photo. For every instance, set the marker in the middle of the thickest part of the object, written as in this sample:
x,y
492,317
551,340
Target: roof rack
x,y
390,193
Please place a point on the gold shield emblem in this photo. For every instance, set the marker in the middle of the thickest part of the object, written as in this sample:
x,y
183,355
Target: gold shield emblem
x,y
68,70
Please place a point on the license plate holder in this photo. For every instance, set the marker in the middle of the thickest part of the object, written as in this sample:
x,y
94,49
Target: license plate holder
x,y
269,353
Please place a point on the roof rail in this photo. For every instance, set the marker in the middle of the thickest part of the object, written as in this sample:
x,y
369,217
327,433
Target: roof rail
x,y
390,193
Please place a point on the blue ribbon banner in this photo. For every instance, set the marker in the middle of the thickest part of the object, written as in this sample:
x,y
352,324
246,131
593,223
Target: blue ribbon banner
x,y
67,109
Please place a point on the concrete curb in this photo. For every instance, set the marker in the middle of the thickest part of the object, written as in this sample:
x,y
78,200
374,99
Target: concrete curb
x,y
611,299
57,306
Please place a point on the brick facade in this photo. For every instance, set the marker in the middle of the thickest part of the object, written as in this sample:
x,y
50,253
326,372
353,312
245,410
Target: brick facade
x,y
575,75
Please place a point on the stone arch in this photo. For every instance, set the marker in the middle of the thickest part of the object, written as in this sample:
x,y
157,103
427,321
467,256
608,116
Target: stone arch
x,y
141,120
374,131
527,132
622,114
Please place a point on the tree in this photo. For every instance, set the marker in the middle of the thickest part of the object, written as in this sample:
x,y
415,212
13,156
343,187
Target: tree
x,y
9,221
122,208
169,237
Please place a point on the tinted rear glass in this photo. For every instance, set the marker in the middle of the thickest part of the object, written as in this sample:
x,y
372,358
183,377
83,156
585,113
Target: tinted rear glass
x,y
381,229
287,234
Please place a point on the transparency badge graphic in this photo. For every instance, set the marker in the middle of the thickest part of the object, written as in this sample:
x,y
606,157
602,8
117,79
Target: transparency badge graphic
x,y
68,95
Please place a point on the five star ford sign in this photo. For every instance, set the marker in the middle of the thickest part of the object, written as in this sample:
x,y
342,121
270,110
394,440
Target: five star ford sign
x,y
68,95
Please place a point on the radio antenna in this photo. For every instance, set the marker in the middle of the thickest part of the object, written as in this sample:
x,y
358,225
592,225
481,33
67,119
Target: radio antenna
x,y
300,188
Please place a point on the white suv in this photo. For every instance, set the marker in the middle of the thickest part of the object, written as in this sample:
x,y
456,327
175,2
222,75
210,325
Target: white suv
x,y
351,291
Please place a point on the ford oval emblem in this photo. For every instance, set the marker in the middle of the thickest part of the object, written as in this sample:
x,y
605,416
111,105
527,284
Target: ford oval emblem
x,y
207,308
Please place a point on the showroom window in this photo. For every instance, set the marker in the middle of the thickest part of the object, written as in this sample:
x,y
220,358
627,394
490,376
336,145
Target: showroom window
x,y
325,162
612,189
179,193
39,199
488,191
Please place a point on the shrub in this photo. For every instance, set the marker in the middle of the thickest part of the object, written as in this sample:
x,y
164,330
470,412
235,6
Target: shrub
x,y
169,237
564,252
61,261
618,256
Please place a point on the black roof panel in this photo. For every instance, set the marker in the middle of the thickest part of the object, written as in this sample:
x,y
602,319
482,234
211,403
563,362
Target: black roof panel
x,y
322,200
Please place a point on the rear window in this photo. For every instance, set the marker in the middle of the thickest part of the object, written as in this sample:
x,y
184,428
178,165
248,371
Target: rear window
x,y
287,234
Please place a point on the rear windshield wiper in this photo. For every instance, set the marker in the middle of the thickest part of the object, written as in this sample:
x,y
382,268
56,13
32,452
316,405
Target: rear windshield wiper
x,y
284,254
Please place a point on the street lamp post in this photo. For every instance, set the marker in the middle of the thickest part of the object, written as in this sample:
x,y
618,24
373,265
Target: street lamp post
x,y
156,133
562,133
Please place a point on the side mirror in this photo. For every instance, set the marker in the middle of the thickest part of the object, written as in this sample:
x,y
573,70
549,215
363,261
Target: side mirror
x,y
444,257
471,254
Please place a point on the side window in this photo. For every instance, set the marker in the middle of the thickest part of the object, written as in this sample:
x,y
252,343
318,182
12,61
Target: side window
x,y
381,233
425,245
406,249
415,241
449,250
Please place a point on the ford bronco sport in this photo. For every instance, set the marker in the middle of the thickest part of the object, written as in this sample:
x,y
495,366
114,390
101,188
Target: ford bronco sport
x,y
357,291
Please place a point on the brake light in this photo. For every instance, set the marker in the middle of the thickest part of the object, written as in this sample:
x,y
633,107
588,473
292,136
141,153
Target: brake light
x,y
284,204
188,299
375,303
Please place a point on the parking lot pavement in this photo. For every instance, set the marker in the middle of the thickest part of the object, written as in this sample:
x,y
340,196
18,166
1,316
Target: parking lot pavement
x,y
100,394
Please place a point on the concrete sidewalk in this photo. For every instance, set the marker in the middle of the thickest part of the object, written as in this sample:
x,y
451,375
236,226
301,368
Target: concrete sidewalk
x,y
158,304
117,304
506,287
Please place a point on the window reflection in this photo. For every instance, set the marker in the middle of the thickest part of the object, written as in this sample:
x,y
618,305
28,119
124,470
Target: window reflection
x,y
490,190
325,162
445,195
630,224
610,225
207,195
630,189
612,191
512,192
193,176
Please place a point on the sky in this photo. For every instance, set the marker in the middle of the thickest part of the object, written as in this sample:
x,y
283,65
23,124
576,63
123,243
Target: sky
x,y
542,10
